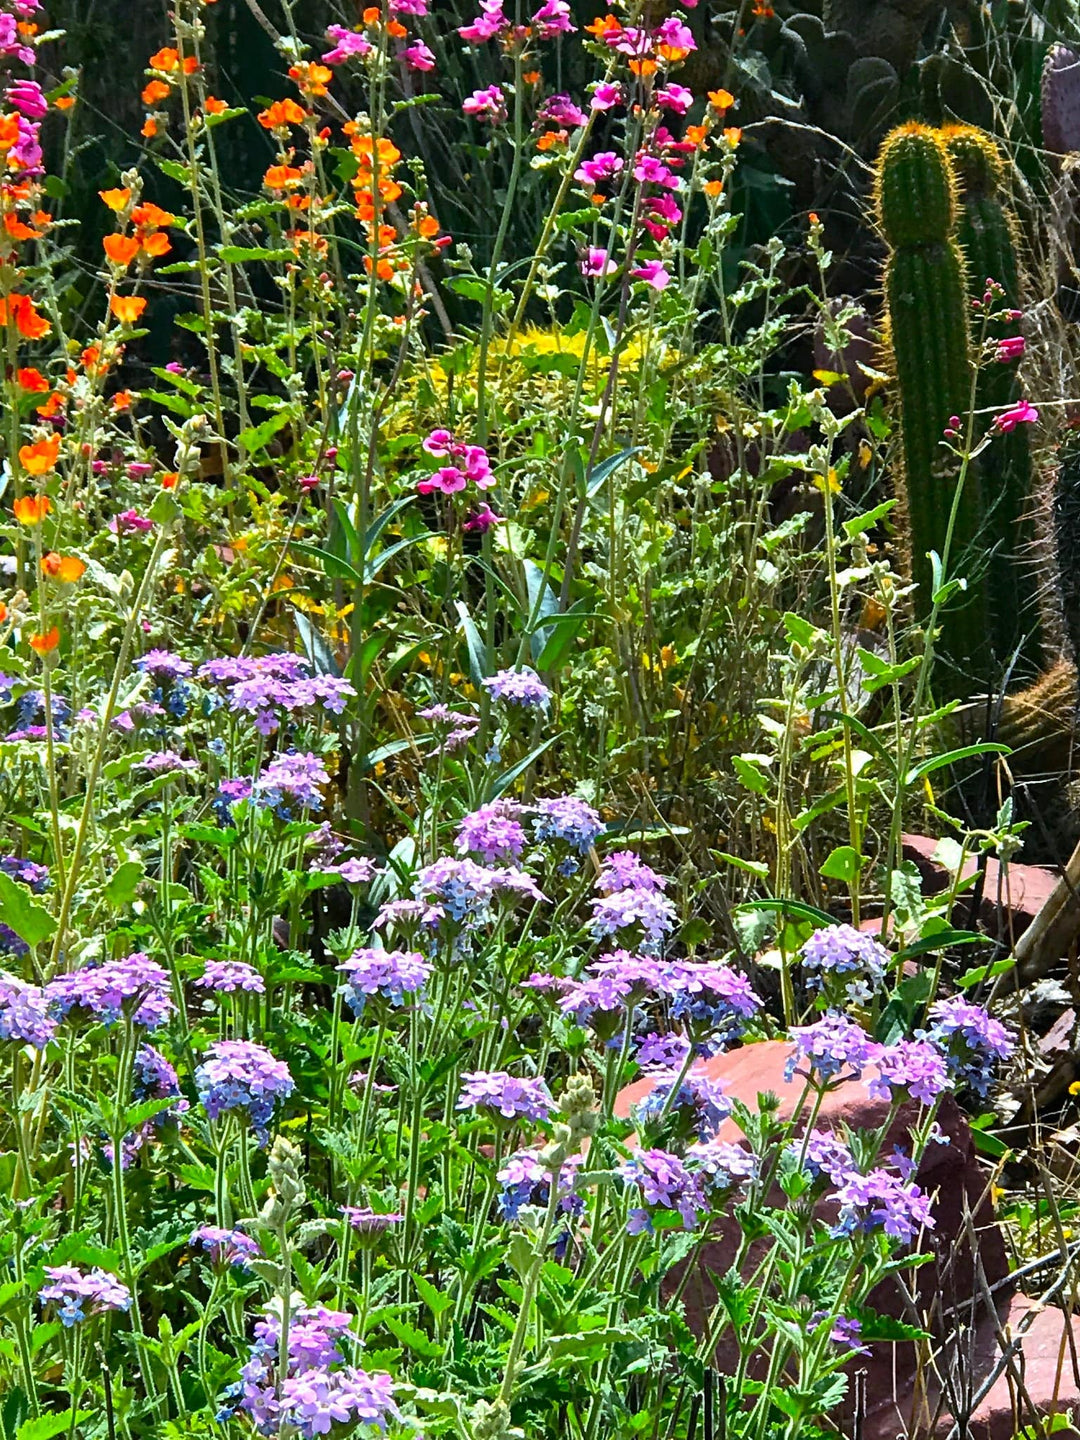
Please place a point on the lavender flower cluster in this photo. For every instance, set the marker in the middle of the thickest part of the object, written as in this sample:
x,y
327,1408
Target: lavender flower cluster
x,y
81,1294
239,1075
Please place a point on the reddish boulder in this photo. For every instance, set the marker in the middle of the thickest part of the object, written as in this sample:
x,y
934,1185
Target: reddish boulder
x,y
1010,900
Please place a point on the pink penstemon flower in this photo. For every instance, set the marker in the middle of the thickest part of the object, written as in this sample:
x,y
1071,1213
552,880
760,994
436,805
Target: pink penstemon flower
x,y
1023,413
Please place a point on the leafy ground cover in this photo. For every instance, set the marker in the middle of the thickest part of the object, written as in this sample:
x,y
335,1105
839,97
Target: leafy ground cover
x,y
447,677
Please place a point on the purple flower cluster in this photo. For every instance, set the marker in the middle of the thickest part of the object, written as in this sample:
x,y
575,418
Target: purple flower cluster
x,y
370,1222
24,1012
357,870
391,974
228,976
914,1066
135,985
721,1166
169,674
467,892
36,877
711,999
459,726
225,1247
519,687
699,1104
167,762
844,951
829,1046
506,1095
240,1075
881,1200
155,1079
625,870
665,1184
632,902
319,1391
662,1052
570,821
494,832
291,782
825,1155
81,1294
972,1040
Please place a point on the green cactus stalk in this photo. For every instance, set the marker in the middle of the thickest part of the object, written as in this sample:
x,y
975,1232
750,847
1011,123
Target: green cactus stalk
x,y
927,304
1065,514
986,235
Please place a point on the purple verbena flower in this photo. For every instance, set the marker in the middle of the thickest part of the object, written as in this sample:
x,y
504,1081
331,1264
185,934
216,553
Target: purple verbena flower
x,y
506,1095
644,913
238,1075
880,1200
291,782
662,1052
823,1154
81,1294
525,1181
699,1104
391,974
914,1066
136,985
666,1184
370,1222
830,1045
225,1247
973,1041
567,819
24,1012
625,870
841,950
494,832
721,1165
518,687
228,976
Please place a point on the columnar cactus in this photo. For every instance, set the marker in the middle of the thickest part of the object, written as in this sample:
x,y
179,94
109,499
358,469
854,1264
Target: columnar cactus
x,y
985,233
1061,100
926,298
1066,531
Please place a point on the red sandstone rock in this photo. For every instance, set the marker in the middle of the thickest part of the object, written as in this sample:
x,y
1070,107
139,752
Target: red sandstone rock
x,y
1010,899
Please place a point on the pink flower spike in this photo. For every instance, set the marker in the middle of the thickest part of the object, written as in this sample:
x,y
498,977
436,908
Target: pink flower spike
x,y
483,519
478,467
1011,348
653,273
489,104
438,443
418,57
448,480
1022,414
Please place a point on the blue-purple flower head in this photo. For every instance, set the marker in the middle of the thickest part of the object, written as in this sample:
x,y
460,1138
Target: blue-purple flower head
x,y
225,1247
226,977
136,985
240,1076
390,974
625,870
852,955
972,1040
607,995
468,893
568,821
167,762
505,1095
25,1014
494,832
911,1067
641,917
721,1166
832,1045
881,1200
525,1181
291,784
81,1294
824,1155
518,687
662,1052
664,1183
695,1104
712,1000
229,794
154,1078
34,876
366,1221
168,674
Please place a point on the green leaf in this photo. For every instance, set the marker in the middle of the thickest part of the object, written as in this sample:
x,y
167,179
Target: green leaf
x,y
982,973
798,908
939,940
415,1339
46,1426
751,775
125,880
241,254
507,778
965,752
598,476
752,867
867,521
255,437
843,863
22,913
436,1300
477,651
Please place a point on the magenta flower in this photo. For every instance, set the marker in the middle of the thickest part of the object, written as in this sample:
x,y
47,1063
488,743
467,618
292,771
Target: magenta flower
x,y
489,105
601,167
653,273
561,110
651,170
349,43
28,98
606,95
418,57
130,522
676,98
1023,413
1011,348
448,479
483,519
553,18
486,25
595,264
674,35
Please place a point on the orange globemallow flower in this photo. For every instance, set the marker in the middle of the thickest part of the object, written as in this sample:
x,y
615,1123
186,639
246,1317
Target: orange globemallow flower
x,y
52,406
214,106
713,187
31,509
697,134
167,59
9,131
67,568
121,249
64,102
150,214
127,308
149,128
156,90
281,114
116,199
44,643
40,457
19,230
122,400
721,99
21,311
170,480
32,380
311,79
282,177
155,244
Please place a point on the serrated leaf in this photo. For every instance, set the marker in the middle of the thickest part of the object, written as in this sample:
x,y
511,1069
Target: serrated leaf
x,y
22,913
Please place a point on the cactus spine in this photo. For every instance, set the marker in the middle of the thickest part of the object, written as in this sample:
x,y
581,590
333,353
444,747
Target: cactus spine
x,y
926,298
986,237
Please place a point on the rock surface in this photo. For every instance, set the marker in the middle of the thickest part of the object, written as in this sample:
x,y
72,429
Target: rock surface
x,y
1010,899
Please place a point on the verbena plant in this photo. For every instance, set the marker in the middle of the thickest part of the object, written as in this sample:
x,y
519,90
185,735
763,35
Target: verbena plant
x,y
350,658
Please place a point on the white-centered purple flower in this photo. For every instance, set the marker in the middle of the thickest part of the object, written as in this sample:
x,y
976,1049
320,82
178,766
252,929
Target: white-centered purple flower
x,y
25,1015
225,1247
881,1200
81,1294
468,892
830,1046
229,976
494,832
721,1166
569,821
518,687
391,974
972,1040
291,783
239,1075
912,1066
664,1183
506,1095
136,985
823,1154
853,955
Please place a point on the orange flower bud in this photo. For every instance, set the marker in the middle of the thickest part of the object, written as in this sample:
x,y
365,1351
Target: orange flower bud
x,y
44,643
